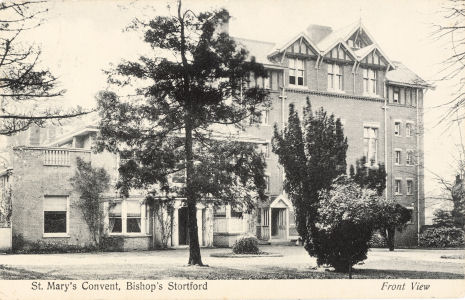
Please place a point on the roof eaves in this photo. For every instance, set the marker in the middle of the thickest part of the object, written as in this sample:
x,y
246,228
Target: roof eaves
x,y
341,41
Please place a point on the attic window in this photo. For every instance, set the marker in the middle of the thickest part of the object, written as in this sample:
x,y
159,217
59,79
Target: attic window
x,y
296,71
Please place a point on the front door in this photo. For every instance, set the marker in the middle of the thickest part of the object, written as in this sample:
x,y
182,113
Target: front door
x,y
278,223
183,233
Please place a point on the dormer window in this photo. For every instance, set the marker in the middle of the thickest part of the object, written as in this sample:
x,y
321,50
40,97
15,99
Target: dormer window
x,y
396,95
369,82
296,72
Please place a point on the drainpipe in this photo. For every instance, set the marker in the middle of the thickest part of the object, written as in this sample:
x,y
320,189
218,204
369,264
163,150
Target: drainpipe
x,y
317,67
418,166
385,132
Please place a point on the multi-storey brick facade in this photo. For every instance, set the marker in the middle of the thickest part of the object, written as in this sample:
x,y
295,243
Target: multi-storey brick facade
x,y
347,74
380,104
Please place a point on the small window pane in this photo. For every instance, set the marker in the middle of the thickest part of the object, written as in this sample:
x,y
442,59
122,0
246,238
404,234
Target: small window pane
x,y
133,225
116,225
54,221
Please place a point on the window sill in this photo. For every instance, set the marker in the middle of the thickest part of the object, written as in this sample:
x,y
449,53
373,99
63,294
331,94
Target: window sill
x,y
299,87
56,235
397,194
135,234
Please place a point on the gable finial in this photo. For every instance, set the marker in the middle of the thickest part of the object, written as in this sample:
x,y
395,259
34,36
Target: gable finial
x,y
360,17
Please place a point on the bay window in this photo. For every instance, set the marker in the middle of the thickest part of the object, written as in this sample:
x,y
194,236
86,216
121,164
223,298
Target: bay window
x,y
126,217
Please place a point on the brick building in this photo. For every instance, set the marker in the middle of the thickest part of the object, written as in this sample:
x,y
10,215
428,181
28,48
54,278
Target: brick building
x,y
379,101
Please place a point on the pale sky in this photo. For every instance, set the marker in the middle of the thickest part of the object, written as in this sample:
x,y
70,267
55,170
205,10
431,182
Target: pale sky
x,y
80,38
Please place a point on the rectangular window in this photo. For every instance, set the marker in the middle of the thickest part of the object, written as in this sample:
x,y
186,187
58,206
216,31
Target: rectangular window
x,y
133,216
115,218
55,214
370,144
267,183
409,159
267,81
370,78
409,187
408,129
261,118
411,211
397,128
408,99
398,187
125,217
414,97
396,95
398,157
220,211
335,79
296,71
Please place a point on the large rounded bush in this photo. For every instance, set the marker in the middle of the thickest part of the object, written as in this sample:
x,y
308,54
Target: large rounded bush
x,y
246,245
342,246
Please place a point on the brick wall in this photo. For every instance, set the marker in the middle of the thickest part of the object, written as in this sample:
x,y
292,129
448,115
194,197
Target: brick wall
x,y
31,181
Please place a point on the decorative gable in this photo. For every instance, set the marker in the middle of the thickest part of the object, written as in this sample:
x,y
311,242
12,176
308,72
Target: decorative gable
x,y
301,46
359,39
372,56
340,52
375,58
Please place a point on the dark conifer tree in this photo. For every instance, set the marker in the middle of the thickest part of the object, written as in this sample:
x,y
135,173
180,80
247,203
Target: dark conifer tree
x,y
166,127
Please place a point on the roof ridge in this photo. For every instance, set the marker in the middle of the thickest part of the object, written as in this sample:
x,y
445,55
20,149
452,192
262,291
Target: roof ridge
x,y
252,40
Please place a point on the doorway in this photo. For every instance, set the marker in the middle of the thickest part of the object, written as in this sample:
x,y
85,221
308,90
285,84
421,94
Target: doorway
x,y
278,223
183,227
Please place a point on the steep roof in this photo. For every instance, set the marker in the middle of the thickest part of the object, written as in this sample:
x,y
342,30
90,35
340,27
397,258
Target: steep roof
x,y
340,34
259,49
403,75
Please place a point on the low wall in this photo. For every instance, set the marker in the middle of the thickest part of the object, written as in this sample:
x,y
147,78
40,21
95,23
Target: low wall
x,y
5,239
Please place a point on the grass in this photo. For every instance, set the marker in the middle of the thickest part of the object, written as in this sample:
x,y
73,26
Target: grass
x,y
207,273
19,273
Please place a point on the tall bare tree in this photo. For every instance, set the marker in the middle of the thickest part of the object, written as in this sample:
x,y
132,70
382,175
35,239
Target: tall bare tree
x,y
27,91
452,31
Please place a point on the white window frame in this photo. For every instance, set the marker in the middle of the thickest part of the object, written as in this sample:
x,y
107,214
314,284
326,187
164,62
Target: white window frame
x,y
397,132
336,74
409,127
370,81
412,209
295,71
394,100
124,218
397,158
56,234
376,126
398,191
409,162
409,180
267,182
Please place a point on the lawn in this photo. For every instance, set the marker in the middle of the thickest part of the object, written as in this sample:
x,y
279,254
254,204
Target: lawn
x,y
294,264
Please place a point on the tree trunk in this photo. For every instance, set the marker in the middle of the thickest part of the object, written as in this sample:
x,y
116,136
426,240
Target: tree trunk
x,y
194,247
390,238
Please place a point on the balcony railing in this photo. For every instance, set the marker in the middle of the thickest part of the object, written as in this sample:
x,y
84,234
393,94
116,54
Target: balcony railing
x,y
55,157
